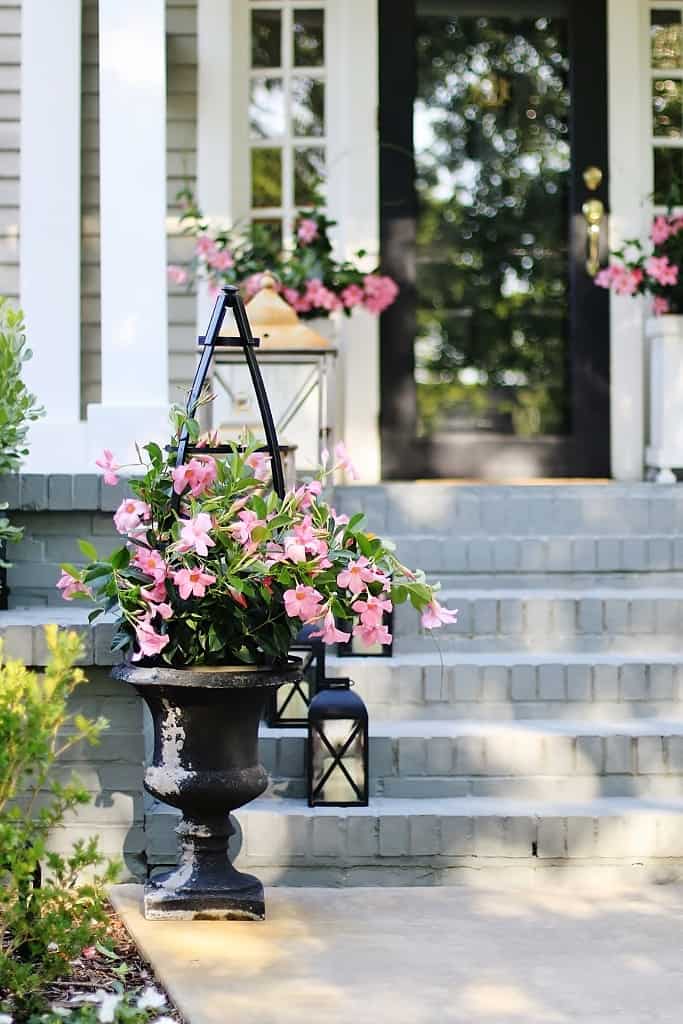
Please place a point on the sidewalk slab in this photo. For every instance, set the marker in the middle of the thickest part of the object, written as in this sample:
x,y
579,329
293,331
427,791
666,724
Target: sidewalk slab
x,y
425,956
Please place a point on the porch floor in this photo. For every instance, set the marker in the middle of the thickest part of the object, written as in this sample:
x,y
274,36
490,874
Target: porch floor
x,y
425,956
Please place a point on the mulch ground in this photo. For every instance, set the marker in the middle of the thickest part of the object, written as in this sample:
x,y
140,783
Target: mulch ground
x,y
100,970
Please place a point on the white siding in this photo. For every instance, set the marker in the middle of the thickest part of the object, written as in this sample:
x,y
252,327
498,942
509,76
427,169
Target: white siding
x,y
181,41
10,57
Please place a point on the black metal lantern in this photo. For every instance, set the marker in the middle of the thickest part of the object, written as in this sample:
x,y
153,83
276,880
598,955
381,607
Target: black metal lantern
x,y
288,705
337,754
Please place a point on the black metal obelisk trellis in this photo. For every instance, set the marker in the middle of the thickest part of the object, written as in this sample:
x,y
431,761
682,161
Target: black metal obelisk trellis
x,y
229,298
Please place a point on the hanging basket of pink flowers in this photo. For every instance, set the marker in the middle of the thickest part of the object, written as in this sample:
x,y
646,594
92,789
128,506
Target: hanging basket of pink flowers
x,y
635,269
308,276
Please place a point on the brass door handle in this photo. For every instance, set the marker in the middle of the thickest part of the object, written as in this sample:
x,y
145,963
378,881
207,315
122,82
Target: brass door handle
x,y
593,211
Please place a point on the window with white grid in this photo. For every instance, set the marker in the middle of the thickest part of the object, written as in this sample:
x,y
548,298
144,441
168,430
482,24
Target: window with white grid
x,y
287,122
666,91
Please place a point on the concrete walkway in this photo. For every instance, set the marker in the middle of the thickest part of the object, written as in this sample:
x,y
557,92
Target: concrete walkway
x,y
425,956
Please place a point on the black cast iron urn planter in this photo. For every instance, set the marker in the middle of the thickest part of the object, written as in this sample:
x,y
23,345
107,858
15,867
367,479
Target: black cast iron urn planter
x,y
205,763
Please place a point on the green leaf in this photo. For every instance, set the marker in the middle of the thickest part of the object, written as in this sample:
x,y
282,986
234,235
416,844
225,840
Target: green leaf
x,y
120,558
88,549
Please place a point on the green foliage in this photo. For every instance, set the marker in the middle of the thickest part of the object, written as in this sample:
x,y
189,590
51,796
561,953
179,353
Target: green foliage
x,y
117,1006
18,407
8,534
43,926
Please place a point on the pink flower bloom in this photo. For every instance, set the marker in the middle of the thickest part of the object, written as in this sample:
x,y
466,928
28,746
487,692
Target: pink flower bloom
x,y
205,247
155,594
291,296
435,615
150,562
130,514
260,463
329,632
164,609
603,278
222,260
318,296
197,474
237,597
339,518
149,641
304,602
377,633
307,493
192,582
380,292
372,611
344,461
295,550
307,231
661,230
252,284
356,575
352,295
195,534
213,288
660,270
176,274
108,463
660,305
70,587
242,531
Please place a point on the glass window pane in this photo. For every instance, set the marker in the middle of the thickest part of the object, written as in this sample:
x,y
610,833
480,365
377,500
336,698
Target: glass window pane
x,y
309,38
266,177
309,176
668,171
308,107
266,108
337,787
667,95
266,39
666,41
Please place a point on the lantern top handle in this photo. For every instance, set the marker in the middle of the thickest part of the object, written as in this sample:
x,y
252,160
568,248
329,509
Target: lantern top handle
x,y
230,298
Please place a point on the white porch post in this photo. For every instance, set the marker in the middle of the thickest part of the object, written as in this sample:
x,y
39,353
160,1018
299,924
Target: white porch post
x,y
627,193
132,82
50,226
353,182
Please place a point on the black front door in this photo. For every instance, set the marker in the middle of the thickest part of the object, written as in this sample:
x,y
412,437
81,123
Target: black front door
x,y
495,358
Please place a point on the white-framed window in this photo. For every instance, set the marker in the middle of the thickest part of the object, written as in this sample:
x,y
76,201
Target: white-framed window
x,y
287,111
665,96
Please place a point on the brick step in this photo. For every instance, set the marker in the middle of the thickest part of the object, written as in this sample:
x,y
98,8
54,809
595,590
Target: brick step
x,y
450,553
579,760
466,510
443,841
517,684
591,619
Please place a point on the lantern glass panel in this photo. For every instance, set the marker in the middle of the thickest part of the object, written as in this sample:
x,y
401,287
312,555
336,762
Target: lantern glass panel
x,y
338,781
292,699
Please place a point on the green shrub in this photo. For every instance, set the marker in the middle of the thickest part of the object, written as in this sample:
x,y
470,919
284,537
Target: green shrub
x,y
51,906
18,407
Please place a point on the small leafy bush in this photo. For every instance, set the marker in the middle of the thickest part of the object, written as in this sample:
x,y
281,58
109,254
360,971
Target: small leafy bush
x,y
18,407
48,912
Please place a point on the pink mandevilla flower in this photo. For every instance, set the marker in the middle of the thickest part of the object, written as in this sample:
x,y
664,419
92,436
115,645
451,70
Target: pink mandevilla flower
x,y
156,593
307,231
130,514
242,531
222,260
352,295
373,634
329,632
108,463
380,292
344,461
176,274
372,611
259,462
197,474
436,615
660,305
70,587
195,534
661,230
357,575
661,270
307,493
163,609
149,641
192,582
151,562
304,602
205,247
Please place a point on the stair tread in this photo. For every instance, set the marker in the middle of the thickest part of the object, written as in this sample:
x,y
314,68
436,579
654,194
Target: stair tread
x,y
474,806
426,728
583,590
512,656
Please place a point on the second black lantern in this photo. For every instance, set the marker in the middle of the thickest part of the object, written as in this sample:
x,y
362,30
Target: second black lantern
x,y
337,755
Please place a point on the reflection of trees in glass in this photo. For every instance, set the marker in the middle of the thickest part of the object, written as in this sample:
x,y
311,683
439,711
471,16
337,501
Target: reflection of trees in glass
x,y
492,155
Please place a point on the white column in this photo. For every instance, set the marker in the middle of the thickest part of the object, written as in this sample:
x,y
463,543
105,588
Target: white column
x,y
50,226
629,151
353,184
132,82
